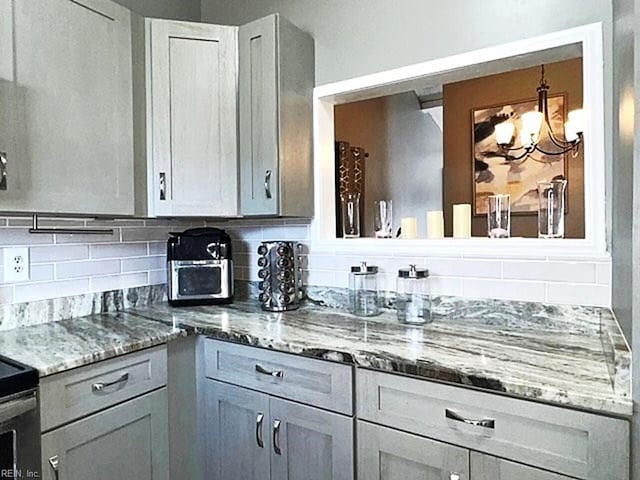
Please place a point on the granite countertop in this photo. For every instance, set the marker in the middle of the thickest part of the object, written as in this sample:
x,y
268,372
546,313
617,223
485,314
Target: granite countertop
x,y
58,346
571,356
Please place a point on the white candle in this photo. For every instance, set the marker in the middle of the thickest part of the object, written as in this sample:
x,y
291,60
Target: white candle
x,y
409,226
435,224
462,220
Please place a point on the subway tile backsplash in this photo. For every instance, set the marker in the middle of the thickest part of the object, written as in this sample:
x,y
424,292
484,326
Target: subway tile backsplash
x,y
134,255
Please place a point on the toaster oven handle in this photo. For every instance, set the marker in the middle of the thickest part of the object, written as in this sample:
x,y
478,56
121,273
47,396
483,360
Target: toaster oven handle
x,y
267,183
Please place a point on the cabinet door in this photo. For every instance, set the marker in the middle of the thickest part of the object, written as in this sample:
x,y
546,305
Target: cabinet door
x,y
66,107
127,441
193,118
258,94
310,444
486,467
386,454
237,430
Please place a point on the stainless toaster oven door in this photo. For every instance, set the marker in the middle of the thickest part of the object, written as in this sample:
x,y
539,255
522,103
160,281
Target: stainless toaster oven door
x,y
196,280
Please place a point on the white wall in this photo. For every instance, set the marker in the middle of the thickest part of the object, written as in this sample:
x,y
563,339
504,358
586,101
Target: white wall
x,y
357,37
174,9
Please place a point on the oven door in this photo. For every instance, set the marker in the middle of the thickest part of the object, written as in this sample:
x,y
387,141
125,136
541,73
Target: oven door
x,y
200,280
20,437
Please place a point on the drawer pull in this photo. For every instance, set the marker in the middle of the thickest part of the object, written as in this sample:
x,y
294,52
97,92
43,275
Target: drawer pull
x,y
259,420
98,387
276,437
484,423
54,462
273,373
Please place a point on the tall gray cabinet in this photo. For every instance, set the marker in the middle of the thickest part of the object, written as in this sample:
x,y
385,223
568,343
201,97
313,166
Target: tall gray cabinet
x,y
188,166
66,107
276,79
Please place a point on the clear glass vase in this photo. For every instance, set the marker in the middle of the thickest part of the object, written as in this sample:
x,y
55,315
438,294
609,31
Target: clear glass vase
x,y
551,200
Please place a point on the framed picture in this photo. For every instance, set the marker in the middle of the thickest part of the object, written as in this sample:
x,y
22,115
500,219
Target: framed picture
x,y
496,172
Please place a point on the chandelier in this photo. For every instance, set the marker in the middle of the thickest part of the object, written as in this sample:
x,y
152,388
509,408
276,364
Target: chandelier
x,y
534,125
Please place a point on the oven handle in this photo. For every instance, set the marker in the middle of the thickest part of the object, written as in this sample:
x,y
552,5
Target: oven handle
x,y
17,407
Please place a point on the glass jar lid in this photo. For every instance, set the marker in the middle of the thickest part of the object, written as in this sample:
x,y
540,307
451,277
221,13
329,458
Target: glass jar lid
x,y
413,272
364,269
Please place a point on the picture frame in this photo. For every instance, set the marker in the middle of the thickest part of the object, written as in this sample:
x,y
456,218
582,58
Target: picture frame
x,y
494,173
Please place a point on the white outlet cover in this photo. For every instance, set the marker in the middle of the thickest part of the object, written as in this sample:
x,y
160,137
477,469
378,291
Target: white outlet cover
x,y
16,264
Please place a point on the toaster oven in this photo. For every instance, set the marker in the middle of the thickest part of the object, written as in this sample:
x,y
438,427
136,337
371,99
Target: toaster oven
x,y
200,267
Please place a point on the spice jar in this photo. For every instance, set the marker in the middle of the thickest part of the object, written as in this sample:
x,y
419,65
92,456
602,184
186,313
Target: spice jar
x,y
413,295
363,290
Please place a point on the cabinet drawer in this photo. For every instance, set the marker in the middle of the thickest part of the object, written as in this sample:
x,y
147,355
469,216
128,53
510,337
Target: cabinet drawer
x,y
566,441
79,392
315,382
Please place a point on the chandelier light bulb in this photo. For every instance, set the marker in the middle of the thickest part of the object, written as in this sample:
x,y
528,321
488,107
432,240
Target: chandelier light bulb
x,y
531,124
504,133
578,120
570,132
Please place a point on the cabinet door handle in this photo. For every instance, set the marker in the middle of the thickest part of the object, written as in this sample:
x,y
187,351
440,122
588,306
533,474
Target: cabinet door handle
x,y
259,421
273,373
163,186
276,437
98,387
484,422
3,171
54,462
267,183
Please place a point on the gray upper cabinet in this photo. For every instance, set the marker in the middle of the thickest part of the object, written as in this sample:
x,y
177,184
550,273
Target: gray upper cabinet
x,y
386,454
189,164
310,444
276,80
127,441
66,128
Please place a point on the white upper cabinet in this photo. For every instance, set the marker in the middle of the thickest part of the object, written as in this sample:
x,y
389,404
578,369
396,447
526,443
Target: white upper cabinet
x,y
189,167
66,131
276,80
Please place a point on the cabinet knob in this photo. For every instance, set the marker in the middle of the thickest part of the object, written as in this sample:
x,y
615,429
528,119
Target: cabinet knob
x,y
259,421
3,171
267,184
55,466
276,437
163,186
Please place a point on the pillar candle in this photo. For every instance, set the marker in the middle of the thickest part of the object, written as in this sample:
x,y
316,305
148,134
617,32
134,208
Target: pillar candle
x,y
462,220
409,227
435,224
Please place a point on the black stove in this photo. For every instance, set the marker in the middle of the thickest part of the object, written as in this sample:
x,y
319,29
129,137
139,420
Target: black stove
x,y
16,377
19,421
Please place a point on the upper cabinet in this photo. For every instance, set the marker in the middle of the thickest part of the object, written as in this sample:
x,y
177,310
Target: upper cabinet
x,y
66,132
276,79
189,167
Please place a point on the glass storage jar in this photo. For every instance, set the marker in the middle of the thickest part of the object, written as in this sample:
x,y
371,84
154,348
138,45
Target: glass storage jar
x,y
413,296
363,290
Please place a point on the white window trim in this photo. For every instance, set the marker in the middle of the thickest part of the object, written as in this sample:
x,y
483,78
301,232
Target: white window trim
x,y
593,246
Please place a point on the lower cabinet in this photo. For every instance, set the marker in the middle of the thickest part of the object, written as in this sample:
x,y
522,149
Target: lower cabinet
x,y
252,435
388,454
486,467
128,441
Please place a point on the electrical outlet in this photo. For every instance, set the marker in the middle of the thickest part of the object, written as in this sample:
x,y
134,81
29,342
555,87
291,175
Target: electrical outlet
x,y
16,264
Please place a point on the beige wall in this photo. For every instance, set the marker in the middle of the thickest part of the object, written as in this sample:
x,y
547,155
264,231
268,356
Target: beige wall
x,y
462,97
